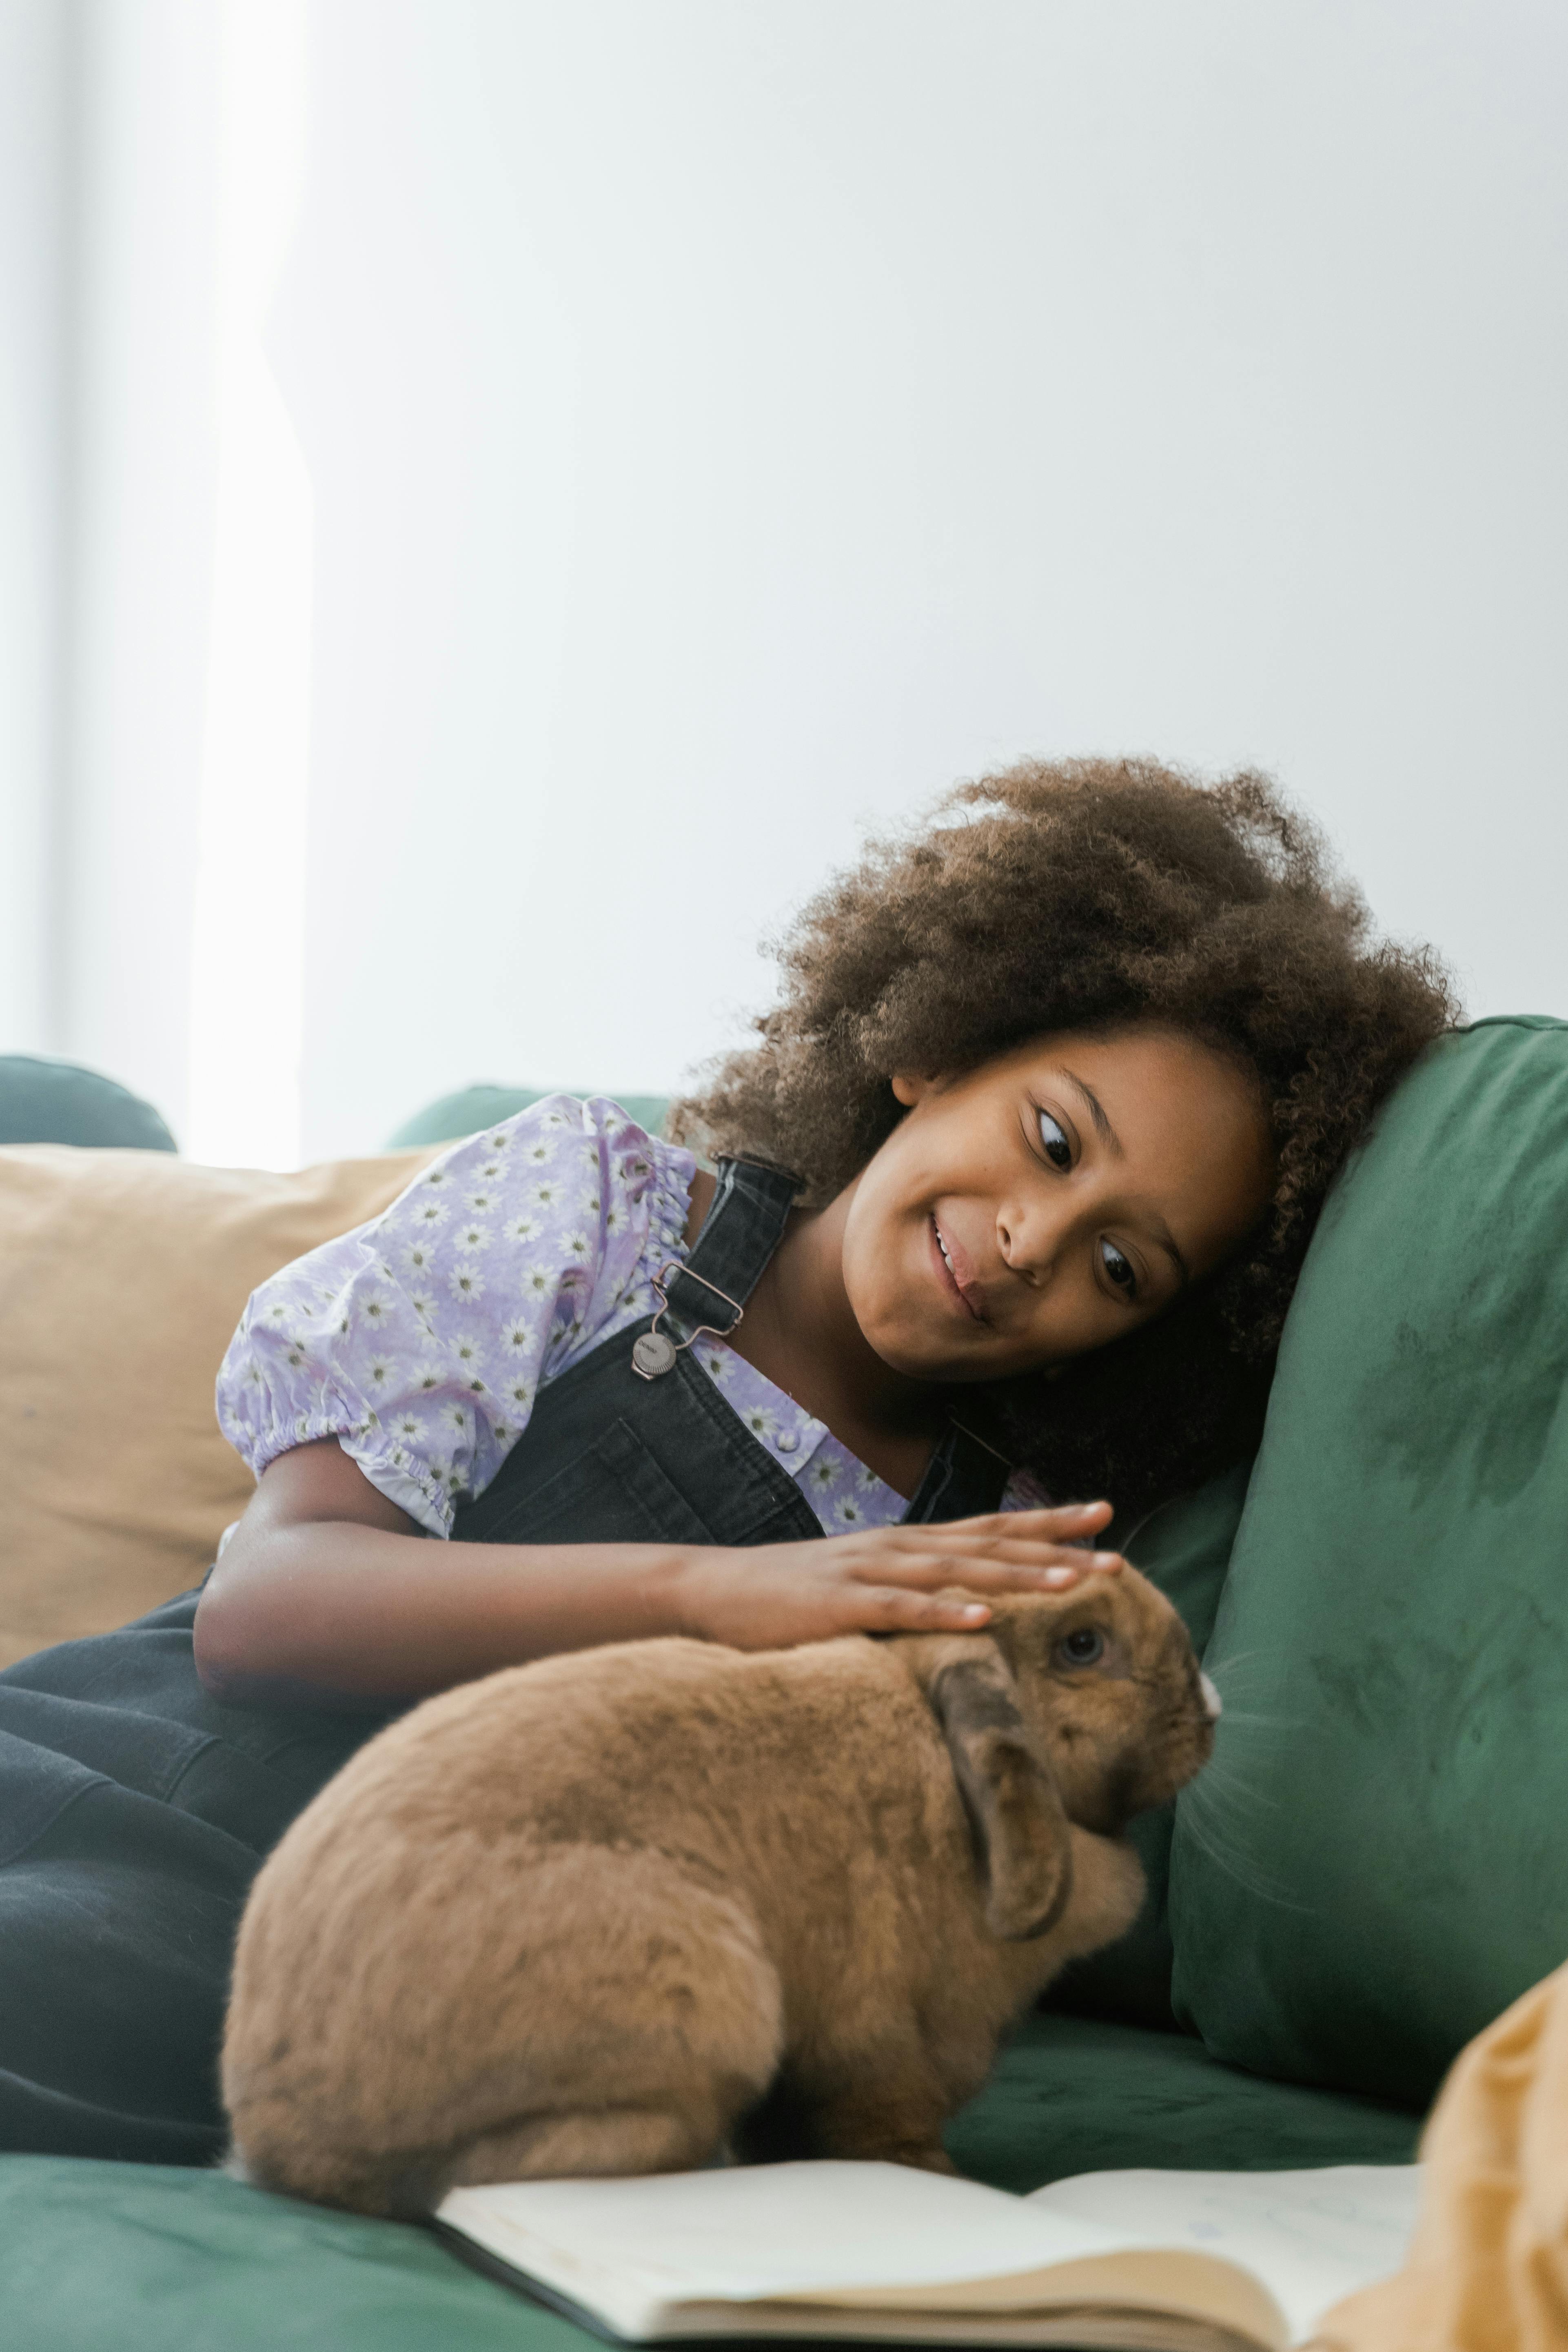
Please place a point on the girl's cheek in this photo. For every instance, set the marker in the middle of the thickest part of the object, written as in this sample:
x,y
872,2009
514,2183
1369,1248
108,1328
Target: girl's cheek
x,y
874,1304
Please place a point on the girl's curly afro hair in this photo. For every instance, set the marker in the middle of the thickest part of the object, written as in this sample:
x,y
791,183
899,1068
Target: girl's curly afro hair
x,y
1094,895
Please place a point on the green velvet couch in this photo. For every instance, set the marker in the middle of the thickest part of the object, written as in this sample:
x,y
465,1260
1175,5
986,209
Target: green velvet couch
x,y
1370,1870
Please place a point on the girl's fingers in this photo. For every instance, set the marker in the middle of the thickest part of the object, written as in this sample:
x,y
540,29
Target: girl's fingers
x,y
967,1556
934,1569
1024,1574
1016,1549
1058,1519
890,1609
990,1575
984,1535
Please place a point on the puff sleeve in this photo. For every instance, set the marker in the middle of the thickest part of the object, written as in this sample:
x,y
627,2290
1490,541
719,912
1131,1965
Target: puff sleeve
x,y
419,1339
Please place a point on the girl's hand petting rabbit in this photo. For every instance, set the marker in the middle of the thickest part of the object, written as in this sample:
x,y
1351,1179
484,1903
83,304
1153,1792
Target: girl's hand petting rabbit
x,y
887,1580
321,1590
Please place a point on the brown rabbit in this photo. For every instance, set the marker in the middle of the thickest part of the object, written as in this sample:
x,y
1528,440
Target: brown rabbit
x,y
616,1911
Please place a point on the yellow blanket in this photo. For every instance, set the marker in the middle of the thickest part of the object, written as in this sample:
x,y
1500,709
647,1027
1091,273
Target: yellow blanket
x,y
1487,2269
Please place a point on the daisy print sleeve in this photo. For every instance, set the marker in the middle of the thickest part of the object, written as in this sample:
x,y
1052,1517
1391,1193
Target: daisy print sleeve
x,y
419,1339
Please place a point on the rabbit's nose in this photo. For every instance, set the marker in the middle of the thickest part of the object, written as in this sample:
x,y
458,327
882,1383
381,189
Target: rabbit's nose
x,y
1214,1706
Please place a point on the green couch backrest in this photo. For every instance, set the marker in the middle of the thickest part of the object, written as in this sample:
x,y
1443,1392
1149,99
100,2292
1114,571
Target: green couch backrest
x,y
1376,1863
47,1101
472,1107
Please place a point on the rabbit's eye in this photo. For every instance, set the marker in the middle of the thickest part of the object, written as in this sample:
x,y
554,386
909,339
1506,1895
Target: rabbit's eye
x,y
1081,1648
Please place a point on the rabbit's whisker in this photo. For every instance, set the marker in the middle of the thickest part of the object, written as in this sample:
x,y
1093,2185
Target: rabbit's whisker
x,y
1232,1794
1245,1873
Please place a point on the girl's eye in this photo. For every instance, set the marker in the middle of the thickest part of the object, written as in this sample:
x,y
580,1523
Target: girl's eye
x,y
1118,1269
1081,1648
1058,1150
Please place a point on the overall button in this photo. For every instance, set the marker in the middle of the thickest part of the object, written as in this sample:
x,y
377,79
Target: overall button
x,y
788,1442
652,1354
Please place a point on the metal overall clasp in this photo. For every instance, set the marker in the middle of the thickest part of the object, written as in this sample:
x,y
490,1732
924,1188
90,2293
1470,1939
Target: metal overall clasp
x,y
654,1352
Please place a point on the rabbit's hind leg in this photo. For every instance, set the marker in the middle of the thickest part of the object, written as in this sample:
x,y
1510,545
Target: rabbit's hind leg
x,y
593,2142
656,2021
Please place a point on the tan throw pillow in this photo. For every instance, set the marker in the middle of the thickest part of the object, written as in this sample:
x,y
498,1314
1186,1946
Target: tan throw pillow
x,y
122,1275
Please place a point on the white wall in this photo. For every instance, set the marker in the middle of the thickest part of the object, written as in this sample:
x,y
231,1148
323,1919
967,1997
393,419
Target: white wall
x,y
143,460
37,152
732,420
727,420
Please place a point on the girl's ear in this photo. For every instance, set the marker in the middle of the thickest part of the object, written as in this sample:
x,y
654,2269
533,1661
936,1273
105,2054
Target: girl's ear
x,y
909,1090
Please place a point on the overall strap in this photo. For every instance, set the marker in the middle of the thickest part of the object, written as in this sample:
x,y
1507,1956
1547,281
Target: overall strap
x,y
739,1234
964,1479
965,1476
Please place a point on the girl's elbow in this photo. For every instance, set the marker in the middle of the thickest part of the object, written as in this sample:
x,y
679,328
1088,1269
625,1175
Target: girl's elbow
x,y
225,1643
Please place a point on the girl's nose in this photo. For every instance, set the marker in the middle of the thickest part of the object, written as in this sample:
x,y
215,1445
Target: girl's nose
x,y
1031,1245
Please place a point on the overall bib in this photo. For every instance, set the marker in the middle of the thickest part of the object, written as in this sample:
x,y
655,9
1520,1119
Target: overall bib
x,y
135,1811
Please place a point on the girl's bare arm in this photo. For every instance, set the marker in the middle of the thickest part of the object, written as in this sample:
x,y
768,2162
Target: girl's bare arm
x,y
328,1594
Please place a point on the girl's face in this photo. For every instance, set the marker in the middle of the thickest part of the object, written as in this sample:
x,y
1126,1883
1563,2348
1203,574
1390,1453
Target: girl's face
x,y
1050,1201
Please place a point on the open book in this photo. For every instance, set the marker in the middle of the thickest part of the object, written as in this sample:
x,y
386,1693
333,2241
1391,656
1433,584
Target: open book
x,y
1133,2262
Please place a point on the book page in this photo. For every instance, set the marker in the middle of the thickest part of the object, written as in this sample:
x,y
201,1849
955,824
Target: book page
x,y
1310,2236
644,2253
771,2229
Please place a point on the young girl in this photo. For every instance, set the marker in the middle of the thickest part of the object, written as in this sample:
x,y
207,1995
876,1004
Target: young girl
x,y
1010,1199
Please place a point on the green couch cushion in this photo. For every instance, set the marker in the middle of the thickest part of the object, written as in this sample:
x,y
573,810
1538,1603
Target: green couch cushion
x,y
148,2258
45,1101
1373,1867
472,1107
1079,2094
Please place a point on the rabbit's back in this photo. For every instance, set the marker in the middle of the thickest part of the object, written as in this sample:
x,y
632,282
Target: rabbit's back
x,y
615,1745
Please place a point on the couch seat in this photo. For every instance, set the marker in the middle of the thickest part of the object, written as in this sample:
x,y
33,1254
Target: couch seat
x,y
99,2257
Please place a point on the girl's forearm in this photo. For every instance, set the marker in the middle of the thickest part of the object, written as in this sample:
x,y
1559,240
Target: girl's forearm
x,y
328,1613
326,1596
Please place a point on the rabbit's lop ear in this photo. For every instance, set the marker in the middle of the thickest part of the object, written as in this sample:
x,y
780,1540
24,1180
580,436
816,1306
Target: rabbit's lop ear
x,y
1016,1811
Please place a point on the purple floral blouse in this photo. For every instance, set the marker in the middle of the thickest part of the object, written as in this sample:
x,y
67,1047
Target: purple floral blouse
x,y
420,1339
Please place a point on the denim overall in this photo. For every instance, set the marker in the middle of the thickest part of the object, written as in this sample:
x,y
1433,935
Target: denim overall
x,y
135,1811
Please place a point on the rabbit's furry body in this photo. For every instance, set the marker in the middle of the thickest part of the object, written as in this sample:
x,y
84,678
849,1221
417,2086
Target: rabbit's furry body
x,y
615,1911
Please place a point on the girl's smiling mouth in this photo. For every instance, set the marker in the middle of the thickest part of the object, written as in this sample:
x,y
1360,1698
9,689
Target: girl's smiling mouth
x,y
955,1271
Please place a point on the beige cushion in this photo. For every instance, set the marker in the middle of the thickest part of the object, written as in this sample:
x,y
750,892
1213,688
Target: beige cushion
x,y
122,1275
